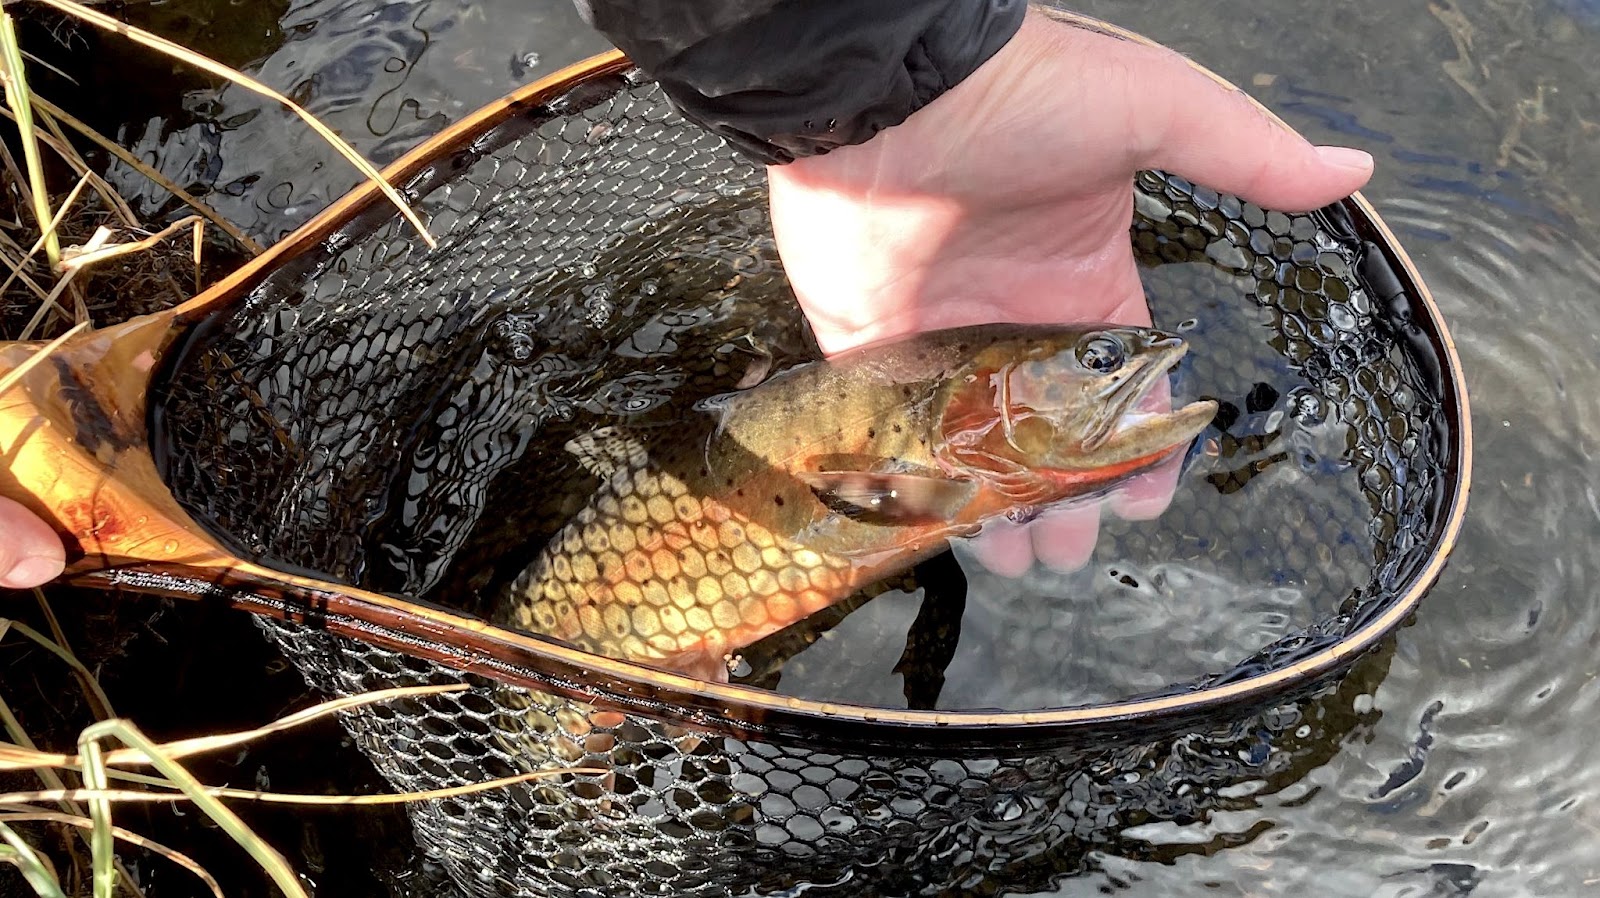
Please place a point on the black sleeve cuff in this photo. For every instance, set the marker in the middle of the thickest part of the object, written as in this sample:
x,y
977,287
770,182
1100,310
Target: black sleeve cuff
x,y
785,79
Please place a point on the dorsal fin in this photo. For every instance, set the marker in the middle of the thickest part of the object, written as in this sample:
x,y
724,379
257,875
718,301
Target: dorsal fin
x,y
605,450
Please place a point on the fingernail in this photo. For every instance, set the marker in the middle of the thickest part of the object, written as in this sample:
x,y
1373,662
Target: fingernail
x,y
32,571
1346,157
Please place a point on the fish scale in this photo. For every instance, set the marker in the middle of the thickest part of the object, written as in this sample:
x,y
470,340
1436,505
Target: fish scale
x,y
648,571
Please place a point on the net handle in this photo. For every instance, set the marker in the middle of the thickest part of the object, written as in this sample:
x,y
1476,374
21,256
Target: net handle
x,y
74,432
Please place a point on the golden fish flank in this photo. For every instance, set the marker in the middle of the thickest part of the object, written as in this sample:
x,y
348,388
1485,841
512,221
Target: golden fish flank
x,y
777,501
648,571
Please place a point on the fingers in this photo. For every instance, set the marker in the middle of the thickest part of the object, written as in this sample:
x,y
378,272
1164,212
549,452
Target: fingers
x,y
1063,538
30,552
1003,547
1146,497
1217,136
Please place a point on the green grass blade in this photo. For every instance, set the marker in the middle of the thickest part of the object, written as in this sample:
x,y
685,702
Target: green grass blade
x,y
264,855
17,97
96,695
102,843
34,869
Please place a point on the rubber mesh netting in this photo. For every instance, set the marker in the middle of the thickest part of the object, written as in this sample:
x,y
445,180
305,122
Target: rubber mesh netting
x,y
361,412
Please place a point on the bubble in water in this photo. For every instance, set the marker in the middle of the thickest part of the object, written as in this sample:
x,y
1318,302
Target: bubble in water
x,y
524,63
598,308
1006,807
513,338
1307,407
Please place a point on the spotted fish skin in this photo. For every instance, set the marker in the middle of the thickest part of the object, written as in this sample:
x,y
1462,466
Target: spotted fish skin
x,y
770,504
650,571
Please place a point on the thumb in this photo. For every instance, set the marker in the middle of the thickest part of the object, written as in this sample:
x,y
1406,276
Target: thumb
x,y
1219,137
30,552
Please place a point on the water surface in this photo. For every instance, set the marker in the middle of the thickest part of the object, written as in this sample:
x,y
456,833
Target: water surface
x,y
1470,768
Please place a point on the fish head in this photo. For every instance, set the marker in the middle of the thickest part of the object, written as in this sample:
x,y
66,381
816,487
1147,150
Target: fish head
x,y
1067,411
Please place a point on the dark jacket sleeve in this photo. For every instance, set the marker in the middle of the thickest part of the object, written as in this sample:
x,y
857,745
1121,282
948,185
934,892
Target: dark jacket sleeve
x,y
784,79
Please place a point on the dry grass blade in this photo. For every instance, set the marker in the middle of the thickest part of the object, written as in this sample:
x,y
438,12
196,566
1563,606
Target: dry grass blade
x,y
63,148
97,696
101,235
49,231
34,869
57,140
162,45
25,744
14,758
138,165
185,747
14,728
16,374
32,285
95,794
19,180
91,685
18,97
50,68
264,855
132,838
85,257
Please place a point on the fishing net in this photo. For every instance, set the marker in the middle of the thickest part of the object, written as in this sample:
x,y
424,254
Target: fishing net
x,y
387,415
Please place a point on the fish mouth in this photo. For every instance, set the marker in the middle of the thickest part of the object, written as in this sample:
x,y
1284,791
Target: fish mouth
x,y
1134,415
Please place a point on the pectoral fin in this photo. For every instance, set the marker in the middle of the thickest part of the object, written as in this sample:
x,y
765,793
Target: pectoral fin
x,y
1022,485
890,498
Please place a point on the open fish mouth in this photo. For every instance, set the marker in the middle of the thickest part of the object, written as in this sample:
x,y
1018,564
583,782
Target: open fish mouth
x,y
1136,413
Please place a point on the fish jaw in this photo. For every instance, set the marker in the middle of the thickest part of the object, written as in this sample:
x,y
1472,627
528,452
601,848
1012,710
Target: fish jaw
x,y
1051,432
1171,430
1142,441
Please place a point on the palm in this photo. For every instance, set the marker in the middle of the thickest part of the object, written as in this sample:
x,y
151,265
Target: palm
x,y
1009,199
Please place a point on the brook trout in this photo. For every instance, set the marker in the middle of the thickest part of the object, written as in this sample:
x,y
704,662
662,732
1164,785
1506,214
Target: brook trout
x,y
774,502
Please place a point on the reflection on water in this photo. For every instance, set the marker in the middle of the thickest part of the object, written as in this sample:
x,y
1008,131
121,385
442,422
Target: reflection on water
x,y
1468,768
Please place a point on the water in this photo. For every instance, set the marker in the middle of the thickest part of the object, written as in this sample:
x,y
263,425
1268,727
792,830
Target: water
x,y
1468,766
1234,564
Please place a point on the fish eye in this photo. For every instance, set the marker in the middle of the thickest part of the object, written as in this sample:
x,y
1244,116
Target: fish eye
x,y
1101,354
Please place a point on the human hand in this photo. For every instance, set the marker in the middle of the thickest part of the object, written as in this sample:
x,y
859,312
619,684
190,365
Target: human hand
x,y
30,552
1009,198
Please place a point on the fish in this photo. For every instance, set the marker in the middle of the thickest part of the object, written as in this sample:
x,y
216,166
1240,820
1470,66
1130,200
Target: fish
x,y
765,505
